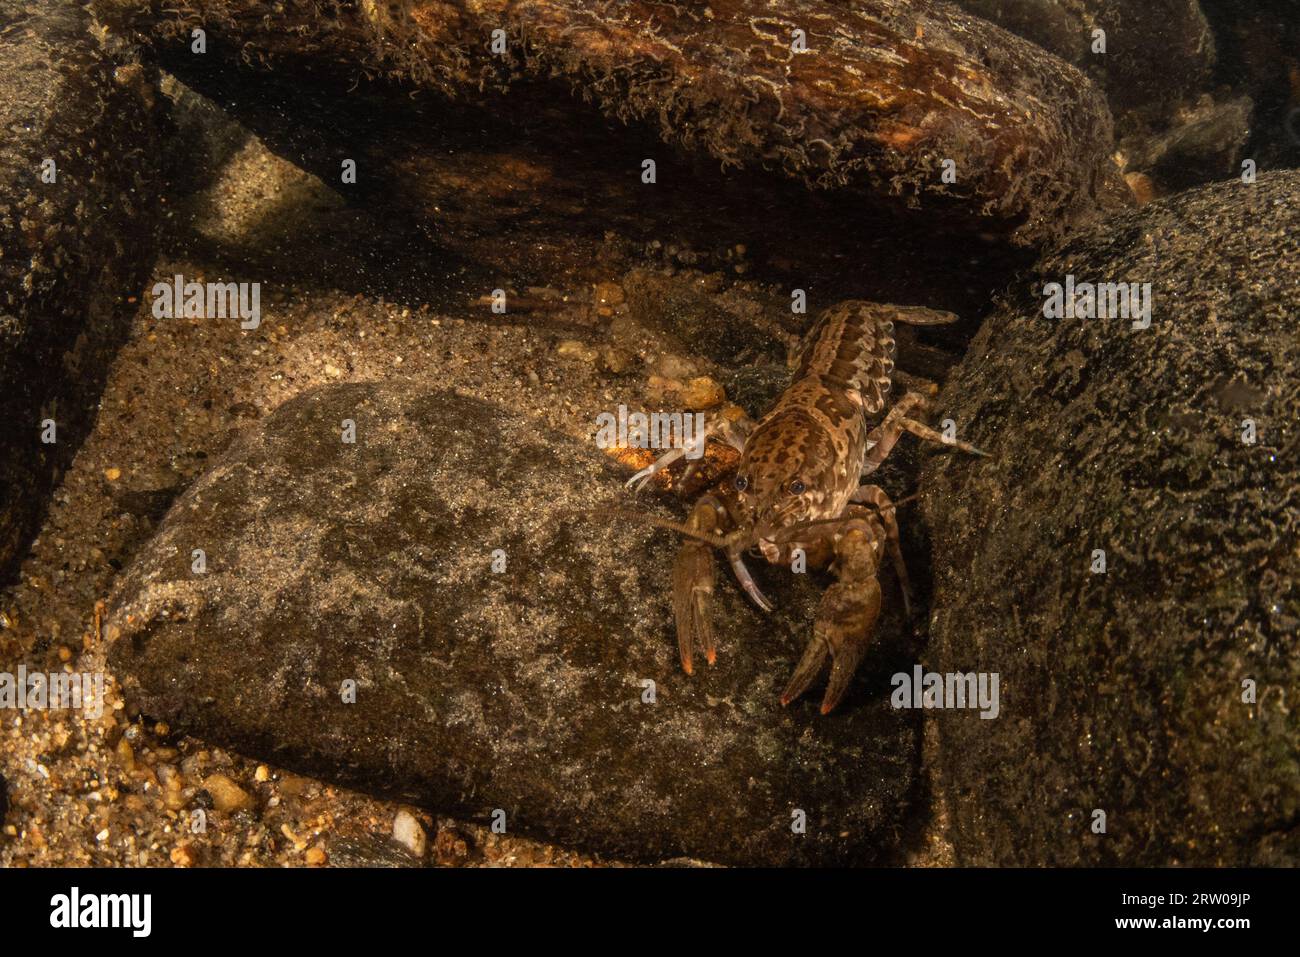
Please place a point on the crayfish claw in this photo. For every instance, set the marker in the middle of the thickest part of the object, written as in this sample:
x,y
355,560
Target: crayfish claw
x,y
805,673
845,621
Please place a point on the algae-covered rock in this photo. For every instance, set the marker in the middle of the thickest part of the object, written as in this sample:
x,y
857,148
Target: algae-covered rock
x,y
78,197
1149,56
1129,559
1259,55
544,696
907,104
1207,146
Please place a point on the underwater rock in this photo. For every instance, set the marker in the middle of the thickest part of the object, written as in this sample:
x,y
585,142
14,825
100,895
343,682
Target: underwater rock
x,y
1259,54
369,850
1158,54
1160,690
519,697
1206,146
908,104
691,316
78,197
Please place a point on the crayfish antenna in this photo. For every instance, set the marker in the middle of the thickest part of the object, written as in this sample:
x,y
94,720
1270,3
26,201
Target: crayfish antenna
x,y
643,518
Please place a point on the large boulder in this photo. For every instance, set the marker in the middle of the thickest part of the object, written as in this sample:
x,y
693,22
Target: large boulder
x,y
1158,54
522,690
902,103
1160,691
79,184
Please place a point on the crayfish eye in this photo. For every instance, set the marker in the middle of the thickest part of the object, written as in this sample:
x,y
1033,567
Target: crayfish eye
x,y
742,483
796,487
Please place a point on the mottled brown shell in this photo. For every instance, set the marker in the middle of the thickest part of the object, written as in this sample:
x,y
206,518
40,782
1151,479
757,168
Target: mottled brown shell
x,y
816,435
852,347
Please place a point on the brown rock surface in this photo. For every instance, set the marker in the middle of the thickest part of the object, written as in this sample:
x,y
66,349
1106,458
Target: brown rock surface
x,y
878,98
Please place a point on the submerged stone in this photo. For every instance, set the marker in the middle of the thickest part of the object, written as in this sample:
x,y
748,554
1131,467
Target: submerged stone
x,y
79,181
415,615
909,104
1128,560
1149,56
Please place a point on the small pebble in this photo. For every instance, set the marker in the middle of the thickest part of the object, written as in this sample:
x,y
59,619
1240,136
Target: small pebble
x,y
125,755
614,360
174,793
408,832
576,349
672,366
609,293
298,842
658,389
182,856
703,393
227,796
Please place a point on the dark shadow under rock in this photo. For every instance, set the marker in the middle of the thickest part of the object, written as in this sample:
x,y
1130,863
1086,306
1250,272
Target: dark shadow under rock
x,y
1160,691
514,191
1259,45
521,691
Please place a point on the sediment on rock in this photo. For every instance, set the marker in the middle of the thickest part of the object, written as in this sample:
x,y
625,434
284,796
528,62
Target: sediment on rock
x,y
78,200
1128,559
1158,54
506,656
883,99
